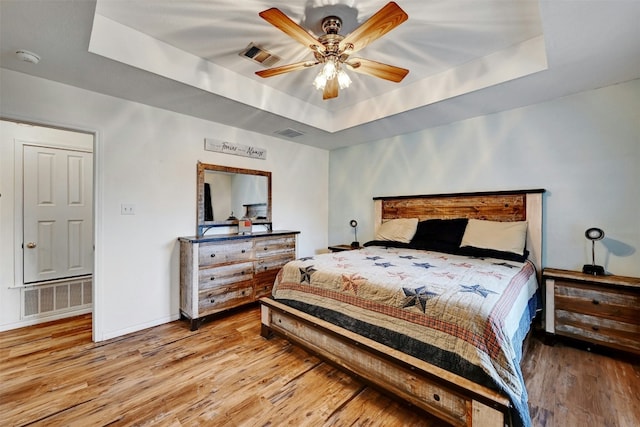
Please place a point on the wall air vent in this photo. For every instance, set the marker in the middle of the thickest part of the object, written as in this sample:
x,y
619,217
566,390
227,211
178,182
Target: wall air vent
x,y
65,296
289,133
259,55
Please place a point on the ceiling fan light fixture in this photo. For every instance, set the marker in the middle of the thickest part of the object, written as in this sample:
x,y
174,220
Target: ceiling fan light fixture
x,y
320,81
343,80
330,68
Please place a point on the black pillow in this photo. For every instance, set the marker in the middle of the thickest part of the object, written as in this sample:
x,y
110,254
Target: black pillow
x,y
441,235
492,253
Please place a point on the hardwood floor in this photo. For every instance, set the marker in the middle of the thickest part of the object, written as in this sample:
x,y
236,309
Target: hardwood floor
x,y
226,374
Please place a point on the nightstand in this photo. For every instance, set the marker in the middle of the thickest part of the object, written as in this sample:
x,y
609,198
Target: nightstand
x,y
603,310
340,248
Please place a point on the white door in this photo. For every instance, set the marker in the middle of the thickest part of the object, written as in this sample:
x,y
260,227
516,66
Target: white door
x,y
58,217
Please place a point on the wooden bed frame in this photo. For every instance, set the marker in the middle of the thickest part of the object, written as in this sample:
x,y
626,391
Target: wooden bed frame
x,y
448,396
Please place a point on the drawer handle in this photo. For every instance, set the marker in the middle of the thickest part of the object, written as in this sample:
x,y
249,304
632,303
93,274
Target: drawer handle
x,y
436,398
212,301
244,250
595,301
213,255
212,278
266,248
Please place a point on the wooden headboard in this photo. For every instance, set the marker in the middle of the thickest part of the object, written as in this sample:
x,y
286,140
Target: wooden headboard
x,y
519,205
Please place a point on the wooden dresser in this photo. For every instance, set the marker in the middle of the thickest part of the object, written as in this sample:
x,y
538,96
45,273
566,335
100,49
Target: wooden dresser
x,y
220,272
603,310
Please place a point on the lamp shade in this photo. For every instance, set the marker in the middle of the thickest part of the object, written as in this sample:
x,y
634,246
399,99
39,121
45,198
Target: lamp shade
x,y
594,233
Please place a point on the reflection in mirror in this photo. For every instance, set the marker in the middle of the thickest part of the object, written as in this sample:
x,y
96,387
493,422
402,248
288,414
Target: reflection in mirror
x,y
236,195
227,194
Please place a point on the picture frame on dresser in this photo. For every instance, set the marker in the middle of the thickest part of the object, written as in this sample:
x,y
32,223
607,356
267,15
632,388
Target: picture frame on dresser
x,y
597,310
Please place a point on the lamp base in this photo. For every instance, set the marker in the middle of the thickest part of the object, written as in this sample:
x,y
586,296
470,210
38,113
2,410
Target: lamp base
x,y
596,270
355,245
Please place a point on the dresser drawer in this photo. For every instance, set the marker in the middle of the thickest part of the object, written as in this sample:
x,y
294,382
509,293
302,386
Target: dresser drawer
x,y
213,254
224,275
272,263
279,246
619,304
613,333
224,297
264,282
264,285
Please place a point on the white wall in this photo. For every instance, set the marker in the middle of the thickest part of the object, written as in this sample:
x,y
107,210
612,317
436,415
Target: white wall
x,y
583,149
147,157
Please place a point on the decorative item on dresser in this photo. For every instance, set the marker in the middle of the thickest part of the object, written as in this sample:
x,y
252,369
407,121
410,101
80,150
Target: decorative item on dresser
x,y
597,309
223,271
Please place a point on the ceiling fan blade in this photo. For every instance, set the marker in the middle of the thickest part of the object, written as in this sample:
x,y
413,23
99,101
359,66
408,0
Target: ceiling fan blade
x,y
383,21
270,72
331,89
377,69
281,21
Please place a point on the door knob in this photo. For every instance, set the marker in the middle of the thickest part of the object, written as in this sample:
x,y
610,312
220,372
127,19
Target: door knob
x,y
31,245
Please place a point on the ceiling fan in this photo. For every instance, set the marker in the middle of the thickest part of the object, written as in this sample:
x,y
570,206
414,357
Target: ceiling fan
x,y
334,50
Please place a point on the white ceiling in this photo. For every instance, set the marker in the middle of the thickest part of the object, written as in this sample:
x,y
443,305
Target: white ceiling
x,y
466,58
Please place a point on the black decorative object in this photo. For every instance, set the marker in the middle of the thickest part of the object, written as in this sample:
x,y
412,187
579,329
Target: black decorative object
x,y
593,234
355,243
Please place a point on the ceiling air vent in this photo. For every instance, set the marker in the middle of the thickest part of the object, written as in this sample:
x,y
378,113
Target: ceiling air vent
x,y
289,133
259,55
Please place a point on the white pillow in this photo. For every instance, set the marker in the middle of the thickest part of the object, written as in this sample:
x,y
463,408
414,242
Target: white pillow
x,y
496,235
397,230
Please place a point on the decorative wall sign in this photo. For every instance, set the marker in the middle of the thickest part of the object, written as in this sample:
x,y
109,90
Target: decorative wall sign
x,y
232,148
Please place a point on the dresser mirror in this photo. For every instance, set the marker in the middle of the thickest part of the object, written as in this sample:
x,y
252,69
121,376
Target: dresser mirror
x,y
226,194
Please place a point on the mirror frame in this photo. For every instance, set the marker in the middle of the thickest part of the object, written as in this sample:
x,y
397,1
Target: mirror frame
x,y
202,225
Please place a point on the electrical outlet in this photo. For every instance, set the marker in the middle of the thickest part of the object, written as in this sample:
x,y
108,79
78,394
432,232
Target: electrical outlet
x,y
127,209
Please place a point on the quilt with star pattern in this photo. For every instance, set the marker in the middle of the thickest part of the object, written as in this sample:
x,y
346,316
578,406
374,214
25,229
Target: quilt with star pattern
x,y
466,315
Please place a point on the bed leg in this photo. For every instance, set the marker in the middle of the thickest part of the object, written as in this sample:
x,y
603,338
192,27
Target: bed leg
x,y
483,415
266,332
265,319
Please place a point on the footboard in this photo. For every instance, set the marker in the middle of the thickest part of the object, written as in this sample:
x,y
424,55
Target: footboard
x,y
441,393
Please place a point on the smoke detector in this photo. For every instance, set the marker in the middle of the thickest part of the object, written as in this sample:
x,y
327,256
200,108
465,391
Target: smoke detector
x,y
26,56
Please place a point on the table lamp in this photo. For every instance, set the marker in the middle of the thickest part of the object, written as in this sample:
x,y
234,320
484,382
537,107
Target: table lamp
x,y
353,223
593,234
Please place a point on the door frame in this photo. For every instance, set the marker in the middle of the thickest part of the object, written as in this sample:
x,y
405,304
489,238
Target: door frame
x,y
97,329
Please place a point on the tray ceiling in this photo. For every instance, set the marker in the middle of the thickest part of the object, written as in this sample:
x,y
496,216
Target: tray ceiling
x,y
466,58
